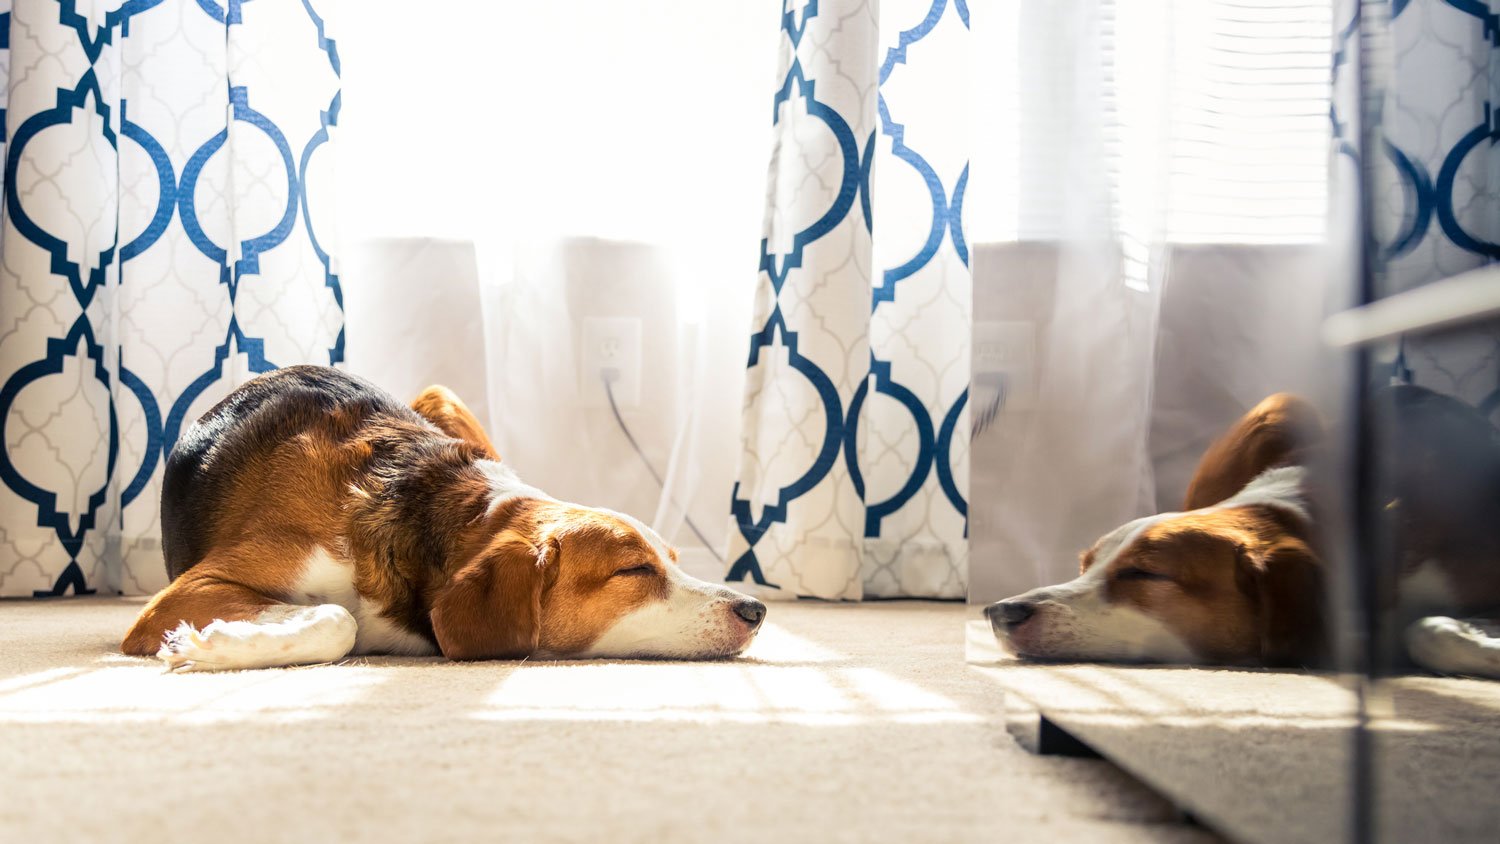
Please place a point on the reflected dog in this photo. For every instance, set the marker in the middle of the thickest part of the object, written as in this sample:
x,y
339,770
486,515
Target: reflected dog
x,y
1237,577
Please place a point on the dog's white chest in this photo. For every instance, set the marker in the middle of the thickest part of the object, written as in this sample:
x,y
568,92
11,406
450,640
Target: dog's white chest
x,y
326,579
1426,590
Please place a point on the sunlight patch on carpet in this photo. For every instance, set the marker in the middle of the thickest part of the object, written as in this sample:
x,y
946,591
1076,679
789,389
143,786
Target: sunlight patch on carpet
x,y
786,679
147,694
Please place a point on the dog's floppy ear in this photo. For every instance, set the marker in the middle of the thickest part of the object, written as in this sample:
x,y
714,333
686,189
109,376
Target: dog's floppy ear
x,y
443,408
491,608
1288,582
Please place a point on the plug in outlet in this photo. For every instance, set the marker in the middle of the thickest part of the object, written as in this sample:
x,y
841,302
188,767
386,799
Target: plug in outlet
x,y
1004,358
610,344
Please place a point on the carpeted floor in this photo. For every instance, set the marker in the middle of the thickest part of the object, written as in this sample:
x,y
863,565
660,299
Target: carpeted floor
x,y
844,723
1267,755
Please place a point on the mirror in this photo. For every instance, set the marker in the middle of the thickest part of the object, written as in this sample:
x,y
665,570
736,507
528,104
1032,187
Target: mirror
x,y
1160,518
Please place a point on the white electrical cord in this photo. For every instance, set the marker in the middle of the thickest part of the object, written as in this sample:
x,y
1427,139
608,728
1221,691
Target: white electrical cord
x,y
608,376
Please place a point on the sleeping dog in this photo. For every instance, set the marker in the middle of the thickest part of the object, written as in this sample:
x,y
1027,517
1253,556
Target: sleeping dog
x,y
310,515
1237,576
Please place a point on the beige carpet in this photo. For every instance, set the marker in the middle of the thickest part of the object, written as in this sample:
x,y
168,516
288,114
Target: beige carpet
x,y
844,723
1267,756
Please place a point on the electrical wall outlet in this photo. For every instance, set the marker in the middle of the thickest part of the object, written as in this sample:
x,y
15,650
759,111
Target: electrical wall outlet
x,y
1005,359
613,345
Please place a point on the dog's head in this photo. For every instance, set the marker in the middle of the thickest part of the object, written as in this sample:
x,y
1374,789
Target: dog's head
x,y
566,581
1234,583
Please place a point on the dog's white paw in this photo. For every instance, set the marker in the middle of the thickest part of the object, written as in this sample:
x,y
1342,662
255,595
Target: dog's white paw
x,y
279,636
186,649
1453,646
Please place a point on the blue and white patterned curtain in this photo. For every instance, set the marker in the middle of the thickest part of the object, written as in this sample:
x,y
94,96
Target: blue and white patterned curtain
x,y
854,472
167,233
1434,66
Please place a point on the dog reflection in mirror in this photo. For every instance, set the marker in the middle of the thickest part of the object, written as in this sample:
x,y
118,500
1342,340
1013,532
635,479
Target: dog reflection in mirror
x,y
1237,577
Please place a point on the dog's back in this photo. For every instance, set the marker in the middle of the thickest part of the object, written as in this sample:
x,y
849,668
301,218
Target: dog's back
x,y
242,431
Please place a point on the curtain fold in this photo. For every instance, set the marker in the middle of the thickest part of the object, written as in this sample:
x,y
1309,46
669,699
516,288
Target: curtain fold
x,y
853,473
166,234
1067,293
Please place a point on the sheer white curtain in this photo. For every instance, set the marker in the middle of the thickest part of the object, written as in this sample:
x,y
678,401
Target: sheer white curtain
x,y
1149,204
516,169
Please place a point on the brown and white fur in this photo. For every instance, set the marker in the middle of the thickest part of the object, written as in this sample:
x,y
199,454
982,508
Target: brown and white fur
x,y
1237,576
310,516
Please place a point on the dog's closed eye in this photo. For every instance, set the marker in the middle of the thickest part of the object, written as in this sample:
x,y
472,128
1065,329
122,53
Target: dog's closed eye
x,y
635,571
1134,573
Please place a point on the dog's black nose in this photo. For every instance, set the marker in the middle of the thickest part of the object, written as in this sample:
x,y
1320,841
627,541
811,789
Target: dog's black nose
x,y
752,611
1010,613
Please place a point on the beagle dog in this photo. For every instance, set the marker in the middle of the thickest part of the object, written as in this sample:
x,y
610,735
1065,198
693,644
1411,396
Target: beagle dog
x,y
1237,577
310,515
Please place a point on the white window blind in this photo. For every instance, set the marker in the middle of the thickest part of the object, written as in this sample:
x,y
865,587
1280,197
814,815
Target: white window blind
x,y
1249,118
1195,121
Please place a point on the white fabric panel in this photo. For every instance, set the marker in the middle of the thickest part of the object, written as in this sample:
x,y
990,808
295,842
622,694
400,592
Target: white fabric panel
x,y
1238,323
405,343
1062,380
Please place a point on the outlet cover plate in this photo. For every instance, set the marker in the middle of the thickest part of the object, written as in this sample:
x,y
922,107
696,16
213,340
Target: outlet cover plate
x,y
610,343
1005,353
